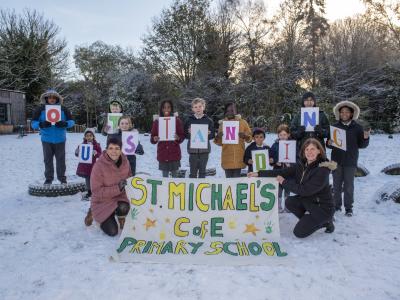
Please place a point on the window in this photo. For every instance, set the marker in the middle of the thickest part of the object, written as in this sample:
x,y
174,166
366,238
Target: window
x,y
3,113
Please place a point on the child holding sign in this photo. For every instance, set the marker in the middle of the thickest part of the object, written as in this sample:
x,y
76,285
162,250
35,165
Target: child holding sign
x,y
53,119
85,169
198,145
168,149
232,138
257,144
110,130
298,131
346,112
283,135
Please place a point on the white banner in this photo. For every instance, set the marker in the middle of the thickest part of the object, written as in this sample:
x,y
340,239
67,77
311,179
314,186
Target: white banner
x,y
338,138
230,129
167,128
196,221
85,153
309,117
53,113
260,160
287,151
112,122
199,136
130,140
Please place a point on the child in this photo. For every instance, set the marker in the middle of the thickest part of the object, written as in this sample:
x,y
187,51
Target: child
x,y
53,136
258,144
198,158
168,152
232,154
115,106
125,124
84,170
283,135
346,114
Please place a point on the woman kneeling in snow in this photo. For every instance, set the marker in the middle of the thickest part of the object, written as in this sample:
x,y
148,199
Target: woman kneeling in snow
x,y
309,180
108,181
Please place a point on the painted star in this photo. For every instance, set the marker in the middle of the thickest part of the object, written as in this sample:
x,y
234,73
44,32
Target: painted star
x,y
149,223
257,217
167,220
162,235
232,224
151,210
251,228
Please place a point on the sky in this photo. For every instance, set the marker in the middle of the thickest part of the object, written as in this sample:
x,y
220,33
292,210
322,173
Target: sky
x,y
125,22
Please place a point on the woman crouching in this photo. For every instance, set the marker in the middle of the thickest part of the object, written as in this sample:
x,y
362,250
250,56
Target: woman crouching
x,y
108,181
309,180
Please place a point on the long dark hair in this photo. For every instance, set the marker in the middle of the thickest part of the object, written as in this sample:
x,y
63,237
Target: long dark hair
x,y
317,144
162,105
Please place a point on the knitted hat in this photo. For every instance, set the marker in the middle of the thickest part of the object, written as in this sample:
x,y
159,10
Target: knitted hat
x,y
91,130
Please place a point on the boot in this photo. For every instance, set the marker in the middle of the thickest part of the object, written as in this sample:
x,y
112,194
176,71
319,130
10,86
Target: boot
x,y
330,227
48,181
89,218
349,212
121,221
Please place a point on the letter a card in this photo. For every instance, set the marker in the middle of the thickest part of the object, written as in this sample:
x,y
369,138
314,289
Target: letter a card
x,y
230,130
198,136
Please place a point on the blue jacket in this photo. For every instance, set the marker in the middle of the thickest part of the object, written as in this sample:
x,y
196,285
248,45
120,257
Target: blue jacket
x,y
53,134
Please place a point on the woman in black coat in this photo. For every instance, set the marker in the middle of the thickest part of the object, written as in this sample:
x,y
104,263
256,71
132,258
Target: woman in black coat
x,y
309,180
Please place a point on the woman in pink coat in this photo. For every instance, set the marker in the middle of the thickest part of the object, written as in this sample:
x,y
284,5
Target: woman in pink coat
x,y
108,181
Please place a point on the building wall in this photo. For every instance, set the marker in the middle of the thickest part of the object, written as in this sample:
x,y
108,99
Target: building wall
x,y
15,102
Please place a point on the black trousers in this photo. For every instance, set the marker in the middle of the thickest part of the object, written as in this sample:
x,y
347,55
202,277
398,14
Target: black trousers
x,y
198,164
132,163
110,226
49,151
343,181
317,217
232,173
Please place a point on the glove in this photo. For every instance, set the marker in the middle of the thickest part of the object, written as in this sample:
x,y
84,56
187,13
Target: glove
x,y
219,135
243,135
122,184
44,124
318,130
61,124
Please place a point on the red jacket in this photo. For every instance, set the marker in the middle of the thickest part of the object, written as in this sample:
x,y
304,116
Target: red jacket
x,y
86,169
104,183
170,150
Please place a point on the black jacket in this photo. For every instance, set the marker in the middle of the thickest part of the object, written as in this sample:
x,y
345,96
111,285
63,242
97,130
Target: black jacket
x,y
354,141
309,182
247,153
205,120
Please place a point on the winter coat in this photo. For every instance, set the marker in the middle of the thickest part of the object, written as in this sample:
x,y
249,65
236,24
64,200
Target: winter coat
x,y
168,150
354,141
232,154
248,155
205,120
52,134
84,170
274,154
104,181
310,182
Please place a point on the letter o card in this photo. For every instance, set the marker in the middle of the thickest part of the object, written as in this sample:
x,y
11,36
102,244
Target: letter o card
x,y
309,117
85,153
53,113
260,160
338,138
230,129
130,140
287,151
167,128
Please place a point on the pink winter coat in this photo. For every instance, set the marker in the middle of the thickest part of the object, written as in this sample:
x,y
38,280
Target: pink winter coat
x,y
86,169
104,184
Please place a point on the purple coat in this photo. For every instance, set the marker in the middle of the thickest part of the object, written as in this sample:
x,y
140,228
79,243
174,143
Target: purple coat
x,y
84,170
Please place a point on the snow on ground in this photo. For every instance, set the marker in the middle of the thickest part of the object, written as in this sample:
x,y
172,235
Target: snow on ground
x,y
48,253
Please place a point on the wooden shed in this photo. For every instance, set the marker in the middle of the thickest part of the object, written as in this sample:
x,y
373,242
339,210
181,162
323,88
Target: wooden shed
x,y
12,110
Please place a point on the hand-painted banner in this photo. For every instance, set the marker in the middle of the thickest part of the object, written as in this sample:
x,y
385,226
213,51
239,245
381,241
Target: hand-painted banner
x,y
130,140
260,160
230,129
112,122
85,153
196,221
338,137
53,113
287,151
167,128
199,136
309,117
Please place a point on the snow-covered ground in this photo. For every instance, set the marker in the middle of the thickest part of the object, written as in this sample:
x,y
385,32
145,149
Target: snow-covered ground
x,y
46,251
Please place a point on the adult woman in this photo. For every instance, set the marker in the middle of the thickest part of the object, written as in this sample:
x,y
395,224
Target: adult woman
x,y
108,182
311,186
